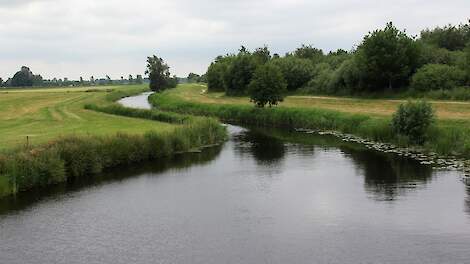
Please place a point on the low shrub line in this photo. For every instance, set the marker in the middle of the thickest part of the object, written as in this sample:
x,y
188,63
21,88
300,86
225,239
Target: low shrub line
x,y
445,137
156,115
72,157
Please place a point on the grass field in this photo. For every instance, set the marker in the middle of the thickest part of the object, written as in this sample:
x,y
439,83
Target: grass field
x,y
46,114
445,110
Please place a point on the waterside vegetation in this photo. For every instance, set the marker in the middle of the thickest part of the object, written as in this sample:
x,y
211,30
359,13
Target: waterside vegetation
x,y
446,136
77,155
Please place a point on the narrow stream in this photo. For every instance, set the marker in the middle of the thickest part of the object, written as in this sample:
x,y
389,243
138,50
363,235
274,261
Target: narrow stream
x,y
265,196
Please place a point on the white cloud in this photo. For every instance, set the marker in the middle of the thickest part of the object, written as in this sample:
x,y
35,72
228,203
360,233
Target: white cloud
x,y
66,38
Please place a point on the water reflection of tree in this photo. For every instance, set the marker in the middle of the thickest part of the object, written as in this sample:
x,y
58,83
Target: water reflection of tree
x,y
467,200
388,176
266,150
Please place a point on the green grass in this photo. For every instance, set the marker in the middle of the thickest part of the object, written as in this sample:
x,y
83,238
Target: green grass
x,y
363,117
46,114
77,133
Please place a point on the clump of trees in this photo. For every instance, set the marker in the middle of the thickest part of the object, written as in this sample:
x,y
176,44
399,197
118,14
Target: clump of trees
x,y
387,60
159,74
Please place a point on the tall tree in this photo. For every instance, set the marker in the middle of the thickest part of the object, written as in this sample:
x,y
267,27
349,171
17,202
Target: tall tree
x,y
389,57
158,72
262,55
139,79
309,52
131,79
24,77
239,74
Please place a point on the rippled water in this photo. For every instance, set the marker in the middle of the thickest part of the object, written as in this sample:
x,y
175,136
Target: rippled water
x,y
265,196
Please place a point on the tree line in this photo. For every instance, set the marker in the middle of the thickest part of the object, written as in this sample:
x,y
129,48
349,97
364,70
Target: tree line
x,y
386,60
25,78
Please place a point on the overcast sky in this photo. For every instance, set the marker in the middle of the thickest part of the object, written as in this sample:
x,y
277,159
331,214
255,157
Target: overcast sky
x,y
72,38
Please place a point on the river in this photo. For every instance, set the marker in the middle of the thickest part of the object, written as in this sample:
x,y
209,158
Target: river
x,y
265,196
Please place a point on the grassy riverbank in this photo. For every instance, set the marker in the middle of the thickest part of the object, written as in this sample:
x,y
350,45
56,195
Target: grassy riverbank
x,y
46,114
69,140
367,118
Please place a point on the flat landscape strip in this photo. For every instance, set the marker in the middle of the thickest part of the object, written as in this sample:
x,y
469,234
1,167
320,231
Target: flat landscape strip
x,y
447,137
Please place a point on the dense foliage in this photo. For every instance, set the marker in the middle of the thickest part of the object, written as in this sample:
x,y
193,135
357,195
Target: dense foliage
x,y
437,76
412,121
159,74
387,60
267,86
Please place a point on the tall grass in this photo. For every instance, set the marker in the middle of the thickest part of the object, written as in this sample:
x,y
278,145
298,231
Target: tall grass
x,y
445,137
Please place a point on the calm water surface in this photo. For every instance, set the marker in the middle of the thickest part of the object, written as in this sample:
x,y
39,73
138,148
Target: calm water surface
x,y
262,197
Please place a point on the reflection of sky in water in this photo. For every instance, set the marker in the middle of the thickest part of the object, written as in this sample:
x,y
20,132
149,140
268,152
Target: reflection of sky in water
x,y
257,199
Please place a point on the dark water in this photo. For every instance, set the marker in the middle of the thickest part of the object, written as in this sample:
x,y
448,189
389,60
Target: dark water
x,y
263,197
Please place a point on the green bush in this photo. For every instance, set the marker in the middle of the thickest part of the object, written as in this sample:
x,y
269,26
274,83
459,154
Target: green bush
x,y
268,86
437,76
413,120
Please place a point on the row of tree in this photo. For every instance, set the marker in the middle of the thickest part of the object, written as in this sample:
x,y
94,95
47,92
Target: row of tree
x,y
25,78
387,59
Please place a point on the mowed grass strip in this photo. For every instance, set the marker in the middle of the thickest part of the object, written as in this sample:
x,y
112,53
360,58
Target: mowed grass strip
x,y
47,114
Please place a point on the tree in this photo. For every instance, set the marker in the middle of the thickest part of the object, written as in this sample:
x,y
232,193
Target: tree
x,y
131,79
108,79
239,74
309,52
262,55
268,86
449,37
139,79
1,82
216,73
467,63
92,80
389,57
37,80
296,71
22,78
159,73
193,77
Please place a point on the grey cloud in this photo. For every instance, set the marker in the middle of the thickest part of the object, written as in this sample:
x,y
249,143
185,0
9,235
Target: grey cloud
x,y
90,37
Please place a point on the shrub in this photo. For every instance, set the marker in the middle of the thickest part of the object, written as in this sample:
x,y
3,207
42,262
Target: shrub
x,y
268,86
437,76
413,120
